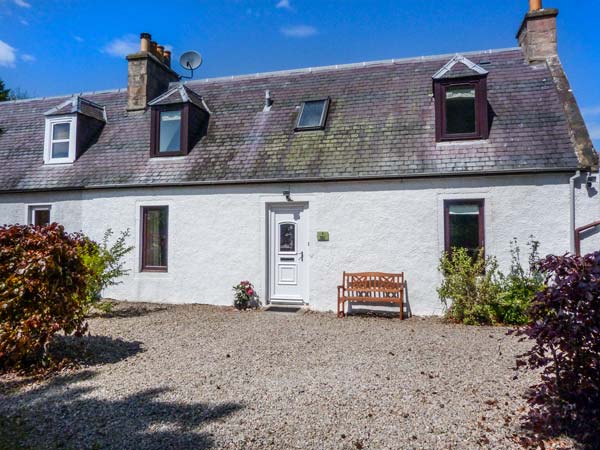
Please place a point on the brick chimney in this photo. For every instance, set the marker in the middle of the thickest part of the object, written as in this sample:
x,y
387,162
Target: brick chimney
x,y
537,35
148,73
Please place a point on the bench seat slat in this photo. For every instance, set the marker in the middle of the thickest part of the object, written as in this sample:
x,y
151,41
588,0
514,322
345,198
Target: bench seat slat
x,y
371,287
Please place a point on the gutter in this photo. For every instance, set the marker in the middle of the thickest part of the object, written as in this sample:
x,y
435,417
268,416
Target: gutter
x,y
572,211
294,180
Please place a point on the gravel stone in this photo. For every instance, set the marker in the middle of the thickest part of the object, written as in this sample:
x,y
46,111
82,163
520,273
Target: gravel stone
x,y
197,376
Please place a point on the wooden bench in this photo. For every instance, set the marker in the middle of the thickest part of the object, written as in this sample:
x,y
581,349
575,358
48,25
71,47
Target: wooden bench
x,y
371,287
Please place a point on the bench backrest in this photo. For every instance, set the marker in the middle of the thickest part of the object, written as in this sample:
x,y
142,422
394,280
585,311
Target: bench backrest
x,y
373,282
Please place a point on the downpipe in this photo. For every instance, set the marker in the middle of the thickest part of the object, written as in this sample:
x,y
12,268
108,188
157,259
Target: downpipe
x,y
572,211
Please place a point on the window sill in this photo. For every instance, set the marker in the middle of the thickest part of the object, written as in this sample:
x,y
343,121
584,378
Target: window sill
x,y
58,162
450,143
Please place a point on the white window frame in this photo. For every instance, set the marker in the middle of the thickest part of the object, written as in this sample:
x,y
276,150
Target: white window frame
x,y
33,208
50,122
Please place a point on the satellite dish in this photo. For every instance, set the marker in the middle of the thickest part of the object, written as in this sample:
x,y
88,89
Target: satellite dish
x,y
190,60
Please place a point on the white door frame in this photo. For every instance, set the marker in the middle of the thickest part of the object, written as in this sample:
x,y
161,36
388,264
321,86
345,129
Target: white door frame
x,y
306,219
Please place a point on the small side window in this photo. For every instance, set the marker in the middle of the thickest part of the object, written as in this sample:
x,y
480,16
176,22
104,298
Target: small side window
x,y
39,216
464,225
313,115
155,226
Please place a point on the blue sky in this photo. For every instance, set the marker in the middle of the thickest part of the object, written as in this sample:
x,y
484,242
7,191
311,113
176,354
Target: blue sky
x,y
52,47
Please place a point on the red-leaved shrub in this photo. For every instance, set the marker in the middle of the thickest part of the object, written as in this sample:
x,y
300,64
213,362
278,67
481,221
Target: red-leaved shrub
x,y
565,325
42,287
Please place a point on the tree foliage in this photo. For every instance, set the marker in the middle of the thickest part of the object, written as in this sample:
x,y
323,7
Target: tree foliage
x,y
565,328
4,92
42,291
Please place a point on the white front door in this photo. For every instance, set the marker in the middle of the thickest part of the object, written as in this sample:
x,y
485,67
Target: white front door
x,y
288,254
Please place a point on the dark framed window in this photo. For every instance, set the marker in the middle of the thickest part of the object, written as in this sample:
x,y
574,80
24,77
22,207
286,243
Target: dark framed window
x,y
39,216
461,111
464,225
313,115
154,248
170,130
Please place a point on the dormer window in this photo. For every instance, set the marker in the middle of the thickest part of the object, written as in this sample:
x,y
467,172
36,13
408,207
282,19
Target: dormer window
x,y
179,119
461,108
59,145
313,115
71,127
170,131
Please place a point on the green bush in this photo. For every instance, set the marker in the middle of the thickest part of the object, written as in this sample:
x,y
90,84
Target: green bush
x,y
470,288
105,266
42,291
475,292
520,286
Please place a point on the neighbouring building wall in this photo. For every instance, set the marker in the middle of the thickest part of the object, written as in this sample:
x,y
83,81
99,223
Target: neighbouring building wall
x,y
217,234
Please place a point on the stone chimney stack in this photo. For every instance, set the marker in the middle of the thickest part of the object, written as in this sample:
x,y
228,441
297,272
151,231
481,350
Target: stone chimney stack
x,y
537,35
148,73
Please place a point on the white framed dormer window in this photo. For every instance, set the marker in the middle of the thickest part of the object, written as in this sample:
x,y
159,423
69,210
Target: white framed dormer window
x,y
60,141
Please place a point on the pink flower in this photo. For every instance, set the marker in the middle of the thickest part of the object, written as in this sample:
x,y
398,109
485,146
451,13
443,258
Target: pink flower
x,y
250,292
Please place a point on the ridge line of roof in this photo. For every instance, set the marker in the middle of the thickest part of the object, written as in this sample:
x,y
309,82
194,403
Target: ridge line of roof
x,y
279,72
347,66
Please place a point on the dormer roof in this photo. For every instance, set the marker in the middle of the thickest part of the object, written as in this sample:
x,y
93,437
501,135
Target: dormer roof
x,y
79,105
180,94
458,67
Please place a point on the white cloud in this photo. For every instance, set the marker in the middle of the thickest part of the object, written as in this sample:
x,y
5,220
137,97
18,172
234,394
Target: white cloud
x,y
78,38
24,22
299,31
591,111
22,3
283,4
8,55
122,46
28,58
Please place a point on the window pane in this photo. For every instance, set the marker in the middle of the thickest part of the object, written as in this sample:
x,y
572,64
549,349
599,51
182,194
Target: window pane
x,y
170,131
287,237
61,131
155,238
460,109
60,150
312,114
41,217
464,226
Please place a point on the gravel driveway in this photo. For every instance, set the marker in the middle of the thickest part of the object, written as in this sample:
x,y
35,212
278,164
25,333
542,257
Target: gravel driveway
x,y
195,376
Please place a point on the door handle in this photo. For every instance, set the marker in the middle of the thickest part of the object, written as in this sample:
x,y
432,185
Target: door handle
x,y
302,256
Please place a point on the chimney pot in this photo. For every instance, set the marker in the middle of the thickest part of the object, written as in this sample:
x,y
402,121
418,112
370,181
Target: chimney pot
x,y
535,5
148,76
145,42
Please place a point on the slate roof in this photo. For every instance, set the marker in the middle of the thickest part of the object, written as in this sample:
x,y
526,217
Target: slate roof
x,y
380,124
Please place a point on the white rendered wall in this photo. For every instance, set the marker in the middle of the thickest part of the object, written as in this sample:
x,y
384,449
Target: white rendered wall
x,y
217,234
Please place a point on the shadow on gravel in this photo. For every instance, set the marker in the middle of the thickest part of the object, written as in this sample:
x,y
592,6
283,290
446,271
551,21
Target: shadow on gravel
x,y
94,350
122,311
62,414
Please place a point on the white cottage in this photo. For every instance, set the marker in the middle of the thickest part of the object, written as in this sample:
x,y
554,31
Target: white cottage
x,y
289,178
